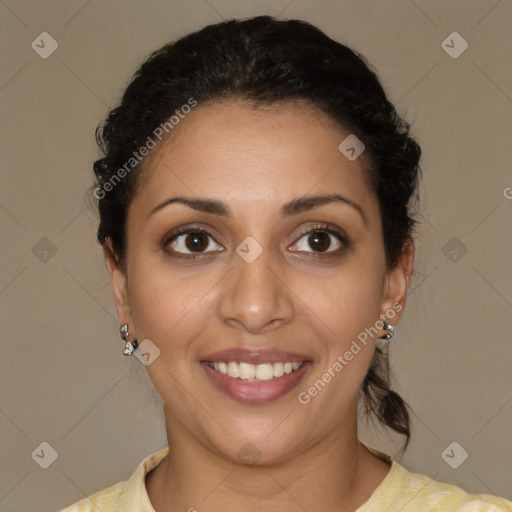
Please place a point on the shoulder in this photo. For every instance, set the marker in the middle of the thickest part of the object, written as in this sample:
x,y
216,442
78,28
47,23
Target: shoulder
x,y
106,500
125,496
416,492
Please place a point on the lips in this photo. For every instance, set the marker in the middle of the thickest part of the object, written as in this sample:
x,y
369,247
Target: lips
x,y
254,390
253,356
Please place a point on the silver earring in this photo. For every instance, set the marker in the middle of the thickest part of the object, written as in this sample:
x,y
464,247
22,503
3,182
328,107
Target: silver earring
x,y
130,345
390,333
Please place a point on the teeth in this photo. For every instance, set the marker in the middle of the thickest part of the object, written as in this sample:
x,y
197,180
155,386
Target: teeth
x,y
233,369
278,369
254,373
264,371
247,371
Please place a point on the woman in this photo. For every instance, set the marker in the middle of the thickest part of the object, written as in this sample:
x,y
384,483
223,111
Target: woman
x,y
254,203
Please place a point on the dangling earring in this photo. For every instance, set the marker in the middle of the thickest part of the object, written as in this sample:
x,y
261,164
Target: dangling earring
x,y
129,346
390,333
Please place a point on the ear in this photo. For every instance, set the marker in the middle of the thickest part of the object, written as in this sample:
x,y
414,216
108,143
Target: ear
x,y
397,284
118,281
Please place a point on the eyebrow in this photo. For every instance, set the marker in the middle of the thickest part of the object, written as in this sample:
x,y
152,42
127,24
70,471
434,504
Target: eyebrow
x,y
294,207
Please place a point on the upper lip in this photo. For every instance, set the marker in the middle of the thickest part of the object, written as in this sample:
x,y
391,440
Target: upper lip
x,y
255,356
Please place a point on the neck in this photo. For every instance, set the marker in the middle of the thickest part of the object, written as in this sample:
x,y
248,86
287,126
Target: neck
x,y
336,472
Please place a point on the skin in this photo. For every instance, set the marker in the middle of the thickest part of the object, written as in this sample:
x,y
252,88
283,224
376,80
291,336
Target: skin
x,y
255,160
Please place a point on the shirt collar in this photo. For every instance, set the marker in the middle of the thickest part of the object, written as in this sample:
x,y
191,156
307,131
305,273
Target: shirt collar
x,y
135,498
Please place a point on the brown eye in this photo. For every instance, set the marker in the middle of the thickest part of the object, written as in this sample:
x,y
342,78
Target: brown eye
x,y
196,242
191,241
321,240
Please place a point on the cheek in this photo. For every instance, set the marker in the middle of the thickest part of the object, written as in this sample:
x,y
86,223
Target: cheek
x,y
346,309
347,301
160,299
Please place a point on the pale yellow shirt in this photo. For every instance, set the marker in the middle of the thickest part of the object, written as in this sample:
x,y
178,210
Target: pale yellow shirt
x,y
400,491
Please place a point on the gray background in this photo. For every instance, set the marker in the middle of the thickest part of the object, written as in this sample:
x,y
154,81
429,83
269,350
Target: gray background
x,y
64,380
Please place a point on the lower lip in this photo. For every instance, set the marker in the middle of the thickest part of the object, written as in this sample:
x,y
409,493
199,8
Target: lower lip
x,y
256,392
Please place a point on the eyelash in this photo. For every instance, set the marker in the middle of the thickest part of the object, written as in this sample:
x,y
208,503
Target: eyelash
x,y
321,228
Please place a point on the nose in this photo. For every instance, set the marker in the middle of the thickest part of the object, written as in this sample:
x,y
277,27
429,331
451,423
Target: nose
x,y
255,296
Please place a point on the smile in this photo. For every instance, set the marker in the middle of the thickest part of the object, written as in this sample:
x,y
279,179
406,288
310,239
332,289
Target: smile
x,y
255,372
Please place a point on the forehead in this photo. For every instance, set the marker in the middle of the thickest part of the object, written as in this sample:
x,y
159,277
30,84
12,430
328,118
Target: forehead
x,y
234,151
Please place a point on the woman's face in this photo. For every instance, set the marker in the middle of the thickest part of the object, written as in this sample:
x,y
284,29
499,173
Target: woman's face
x,y
256,281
